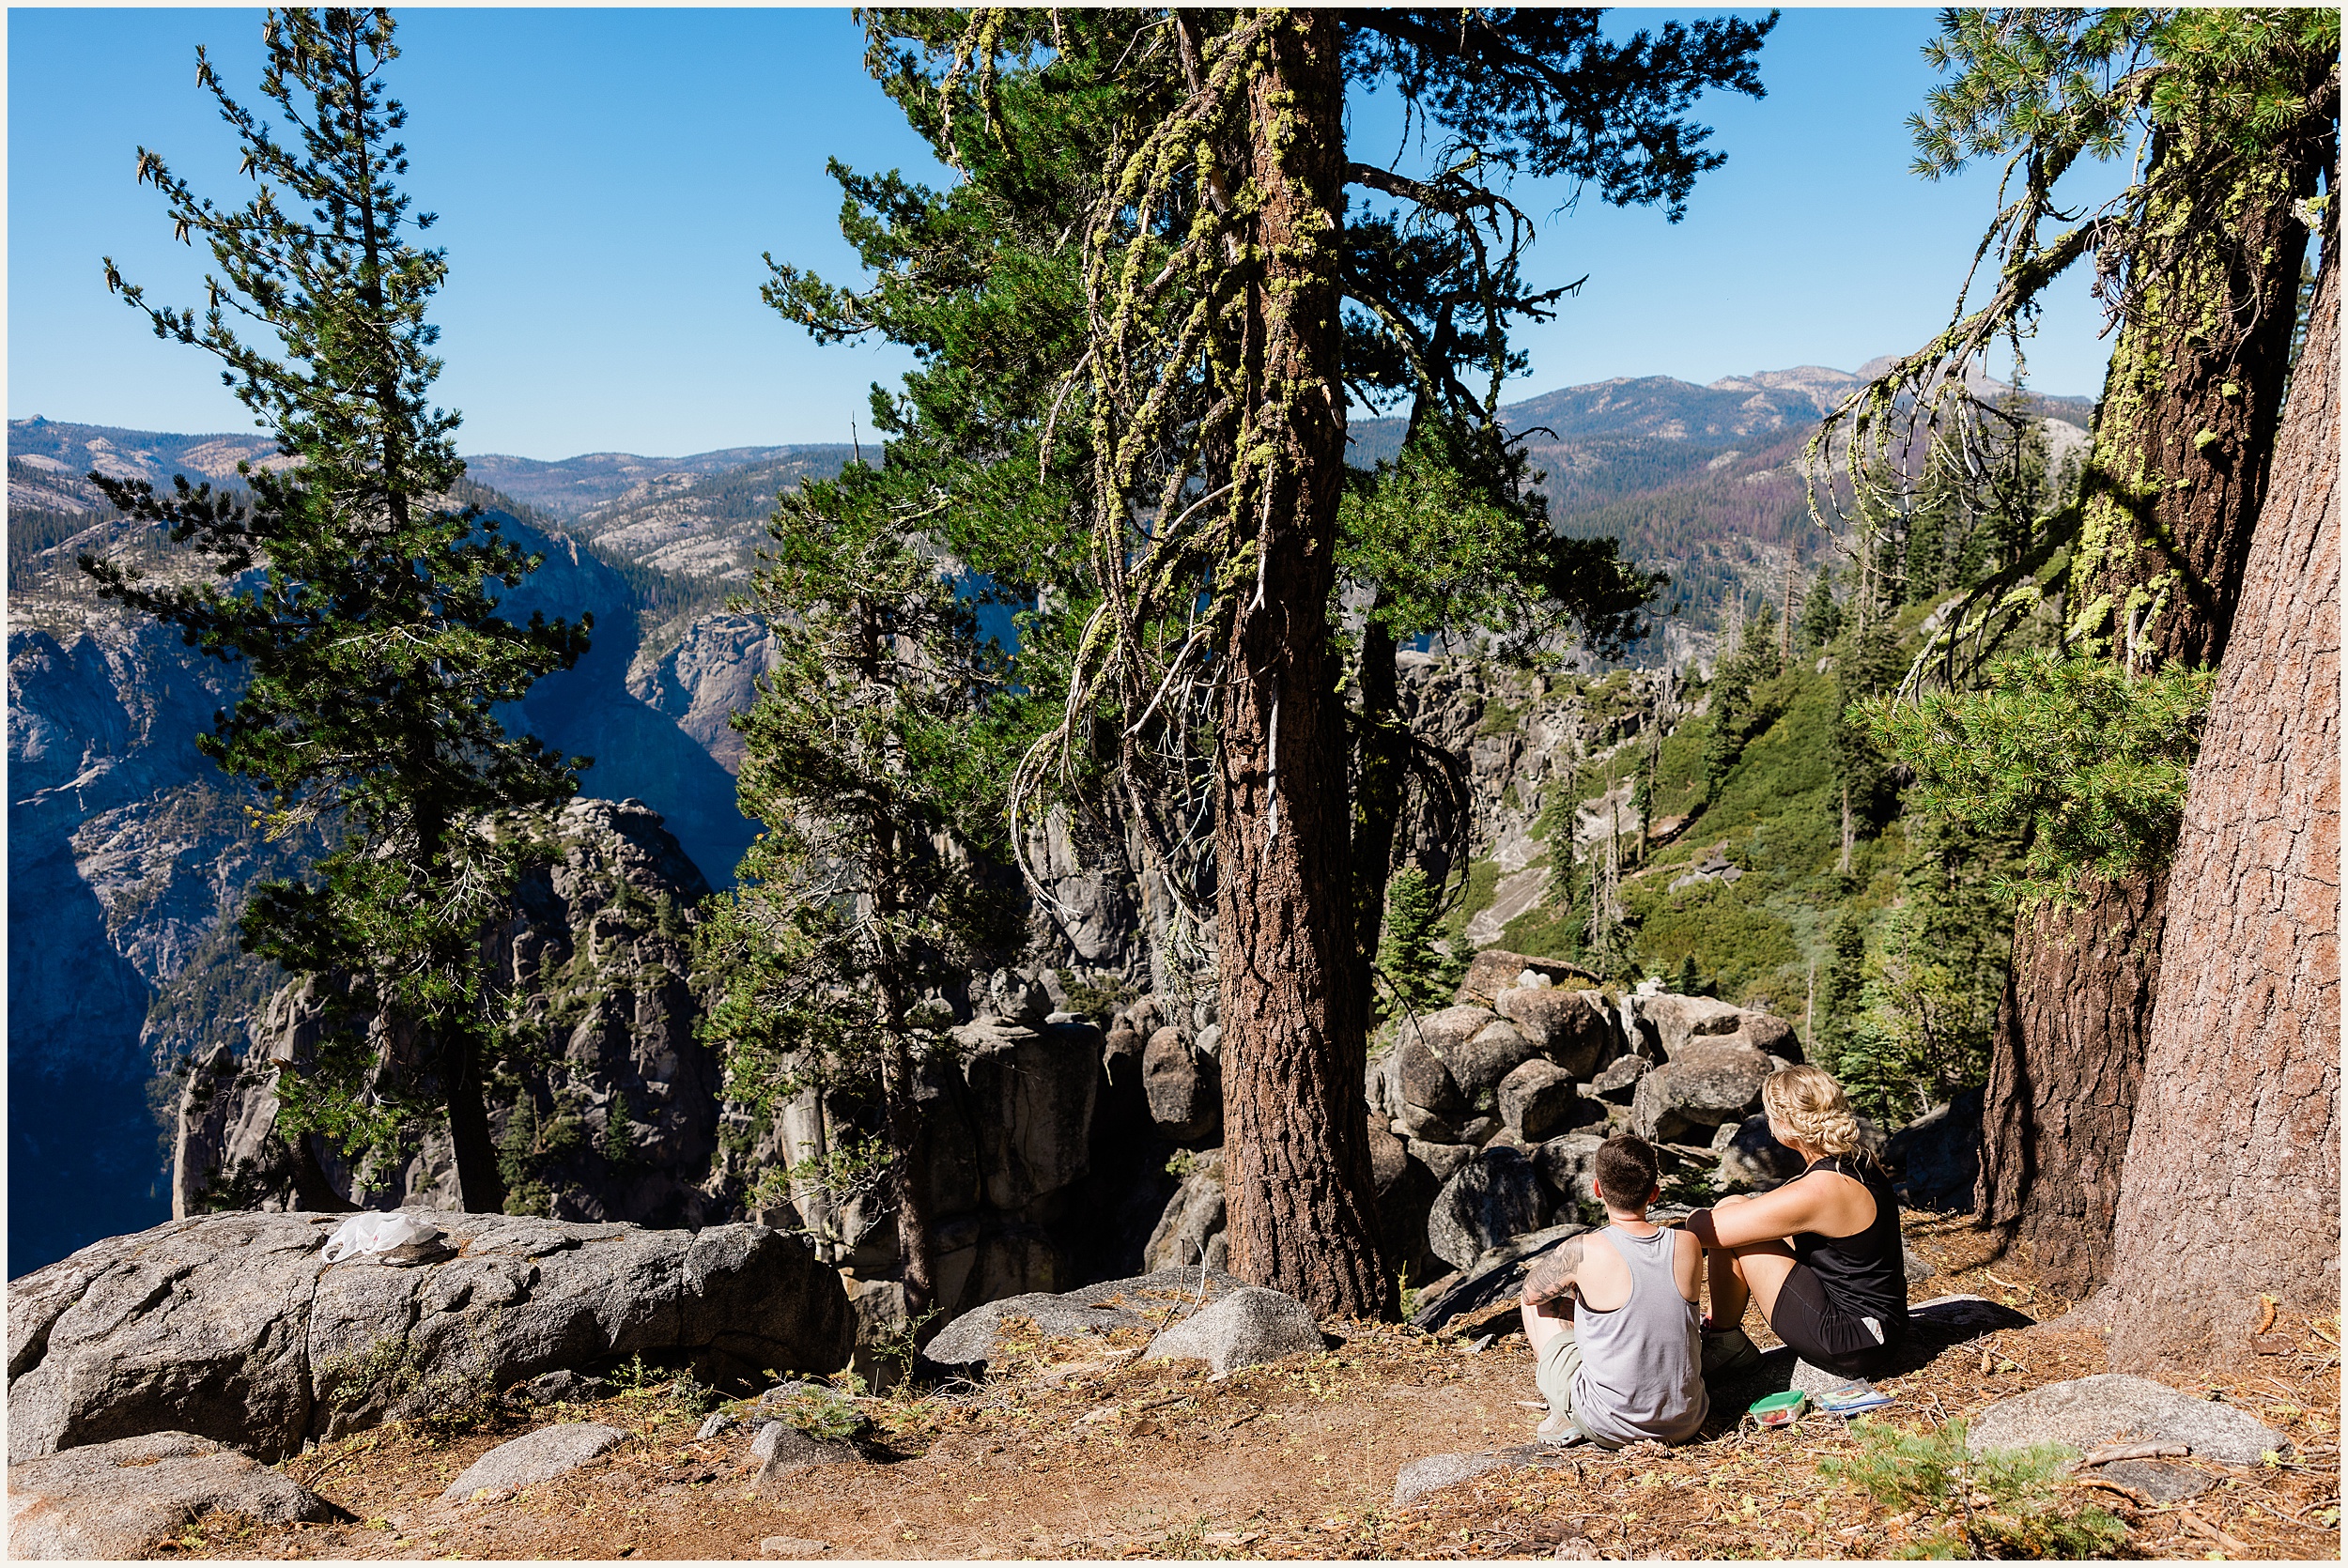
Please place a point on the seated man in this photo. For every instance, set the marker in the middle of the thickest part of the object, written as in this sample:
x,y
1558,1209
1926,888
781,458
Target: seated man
x,y
1625,1367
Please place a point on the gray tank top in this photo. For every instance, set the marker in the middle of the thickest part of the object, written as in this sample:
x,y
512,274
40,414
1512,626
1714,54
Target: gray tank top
x,y
1642,1371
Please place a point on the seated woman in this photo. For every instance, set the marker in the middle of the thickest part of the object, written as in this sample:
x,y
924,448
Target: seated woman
x,y
1821,1255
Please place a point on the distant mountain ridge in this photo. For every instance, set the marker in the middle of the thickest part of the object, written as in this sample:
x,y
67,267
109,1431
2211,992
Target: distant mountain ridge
x,y
572,487
48,460
1663,407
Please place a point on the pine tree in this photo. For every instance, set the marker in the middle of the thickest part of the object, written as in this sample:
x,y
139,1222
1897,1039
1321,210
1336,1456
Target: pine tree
x,y
874,758
1182,177
2238,116
1821,616
1414,970
1739,710
1839,982
361,608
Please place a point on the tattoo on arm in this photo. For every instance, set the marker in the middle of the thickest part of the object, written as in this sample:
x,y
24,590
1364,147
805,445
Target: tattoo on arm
x,y
1552,1274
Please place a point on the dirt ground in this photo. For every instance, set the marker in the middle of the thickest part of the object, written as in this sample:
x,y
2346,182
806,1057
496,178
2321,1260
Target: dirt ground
x,y
1083,1458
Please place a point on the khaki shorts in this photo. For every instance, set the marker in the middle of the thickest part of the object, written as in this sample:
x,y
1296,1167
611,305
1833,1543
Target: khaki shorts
x,y
1552,1372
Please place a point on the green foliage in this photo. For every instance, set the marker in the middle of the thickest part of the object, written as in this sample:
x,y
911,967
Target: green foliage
x,y
1483,887
638,1376
33,530
1821,616
1930,989
1740,697
2003,1503
826,1415
874,755
517,1149
1099,995
1868,665
1419,975
619,1143
2087,760
895,1352
2080,80
442,1402
1839,978
1449,536
363,613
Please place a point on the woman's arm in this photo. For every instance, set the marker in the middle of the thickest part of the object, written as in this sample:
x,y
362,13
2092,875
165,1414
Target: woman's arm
x,y
1796,1207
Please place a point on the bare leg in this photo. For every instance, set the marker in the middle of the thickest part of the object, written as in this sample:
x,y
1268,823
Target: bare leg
x,y
1741,1275
1727,1292
1543,1322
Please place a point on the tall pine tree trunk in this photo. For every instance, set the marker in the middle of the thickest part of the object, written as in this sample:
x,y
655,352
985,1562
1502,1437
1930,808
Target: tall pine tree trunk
x,y
1303,1214
2232,1185
482,1187
2172,491
455,1036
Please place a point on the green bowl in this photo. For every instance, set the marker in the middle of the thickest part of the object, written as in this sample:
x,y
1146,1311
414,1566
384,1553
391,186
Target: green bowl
x,y
1778,1409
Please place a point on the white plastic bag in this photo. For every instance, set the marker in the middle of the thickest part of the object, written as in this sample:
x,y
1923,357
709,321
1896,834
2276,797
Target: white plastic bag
x,y
376,1233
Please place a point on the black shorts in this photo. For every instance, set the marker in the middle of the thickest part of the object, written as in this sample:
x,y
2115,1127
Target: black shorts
x,y
1829,1335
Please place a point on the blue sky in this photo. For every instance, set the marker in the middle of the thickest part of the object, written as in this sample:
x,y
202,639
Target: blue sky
x,y
608,179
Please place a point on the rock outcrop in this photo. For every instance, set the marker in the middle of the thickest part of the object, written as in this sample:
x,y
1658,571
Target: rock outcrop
x,y
540,1455
618,1120
1709,1083
2088,1411
118,1499
1162,1296
230,1327
1246,1328
1494,1196
1936,1159
1486,1116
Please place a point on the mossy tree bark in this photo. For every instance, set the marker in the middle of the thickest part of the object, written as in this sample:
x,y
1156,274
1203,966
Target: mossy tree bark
x,y
2231,1189
1303,1216
2172,492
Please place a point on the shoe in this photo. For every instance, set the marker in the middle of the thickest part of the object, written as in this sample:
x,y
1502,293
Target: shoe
x,y
1560,1430
1727,1351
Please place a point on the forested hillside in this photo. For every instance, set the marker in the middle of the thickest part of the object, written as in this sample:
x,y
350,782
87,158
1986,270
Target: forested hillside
x,y
1888,959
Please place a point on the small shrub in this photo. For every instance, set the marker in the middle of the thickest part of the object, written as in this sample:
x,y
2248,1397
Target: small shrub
x,y
1099,995
2003,1503
696,1396
894,1352
825,1414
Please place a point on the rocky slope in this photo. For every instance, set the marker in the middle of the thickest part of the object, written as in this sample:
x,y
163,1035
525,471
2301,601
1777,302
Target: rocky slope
x,y
610,1109
130,856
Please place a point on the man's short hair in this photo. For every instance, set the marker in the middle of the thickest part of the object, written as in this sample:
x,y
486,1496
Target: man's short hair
x,y
1627,1171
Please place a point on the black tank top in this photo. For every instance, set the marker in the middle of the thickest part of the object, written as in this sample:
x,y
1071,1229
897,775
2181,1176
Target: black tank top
x,y
1866,1274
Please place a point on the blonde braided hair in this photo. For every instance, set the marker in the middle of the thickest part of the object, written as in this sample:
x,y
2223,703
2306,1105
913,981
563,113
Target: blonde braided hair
x,y
1808,1103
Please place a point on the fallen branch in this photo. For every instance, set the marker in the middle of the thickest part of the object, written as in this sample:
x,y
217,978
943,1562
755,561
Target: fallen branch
x,y
2110,1452
335,1464
2140,1499
2202,1527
